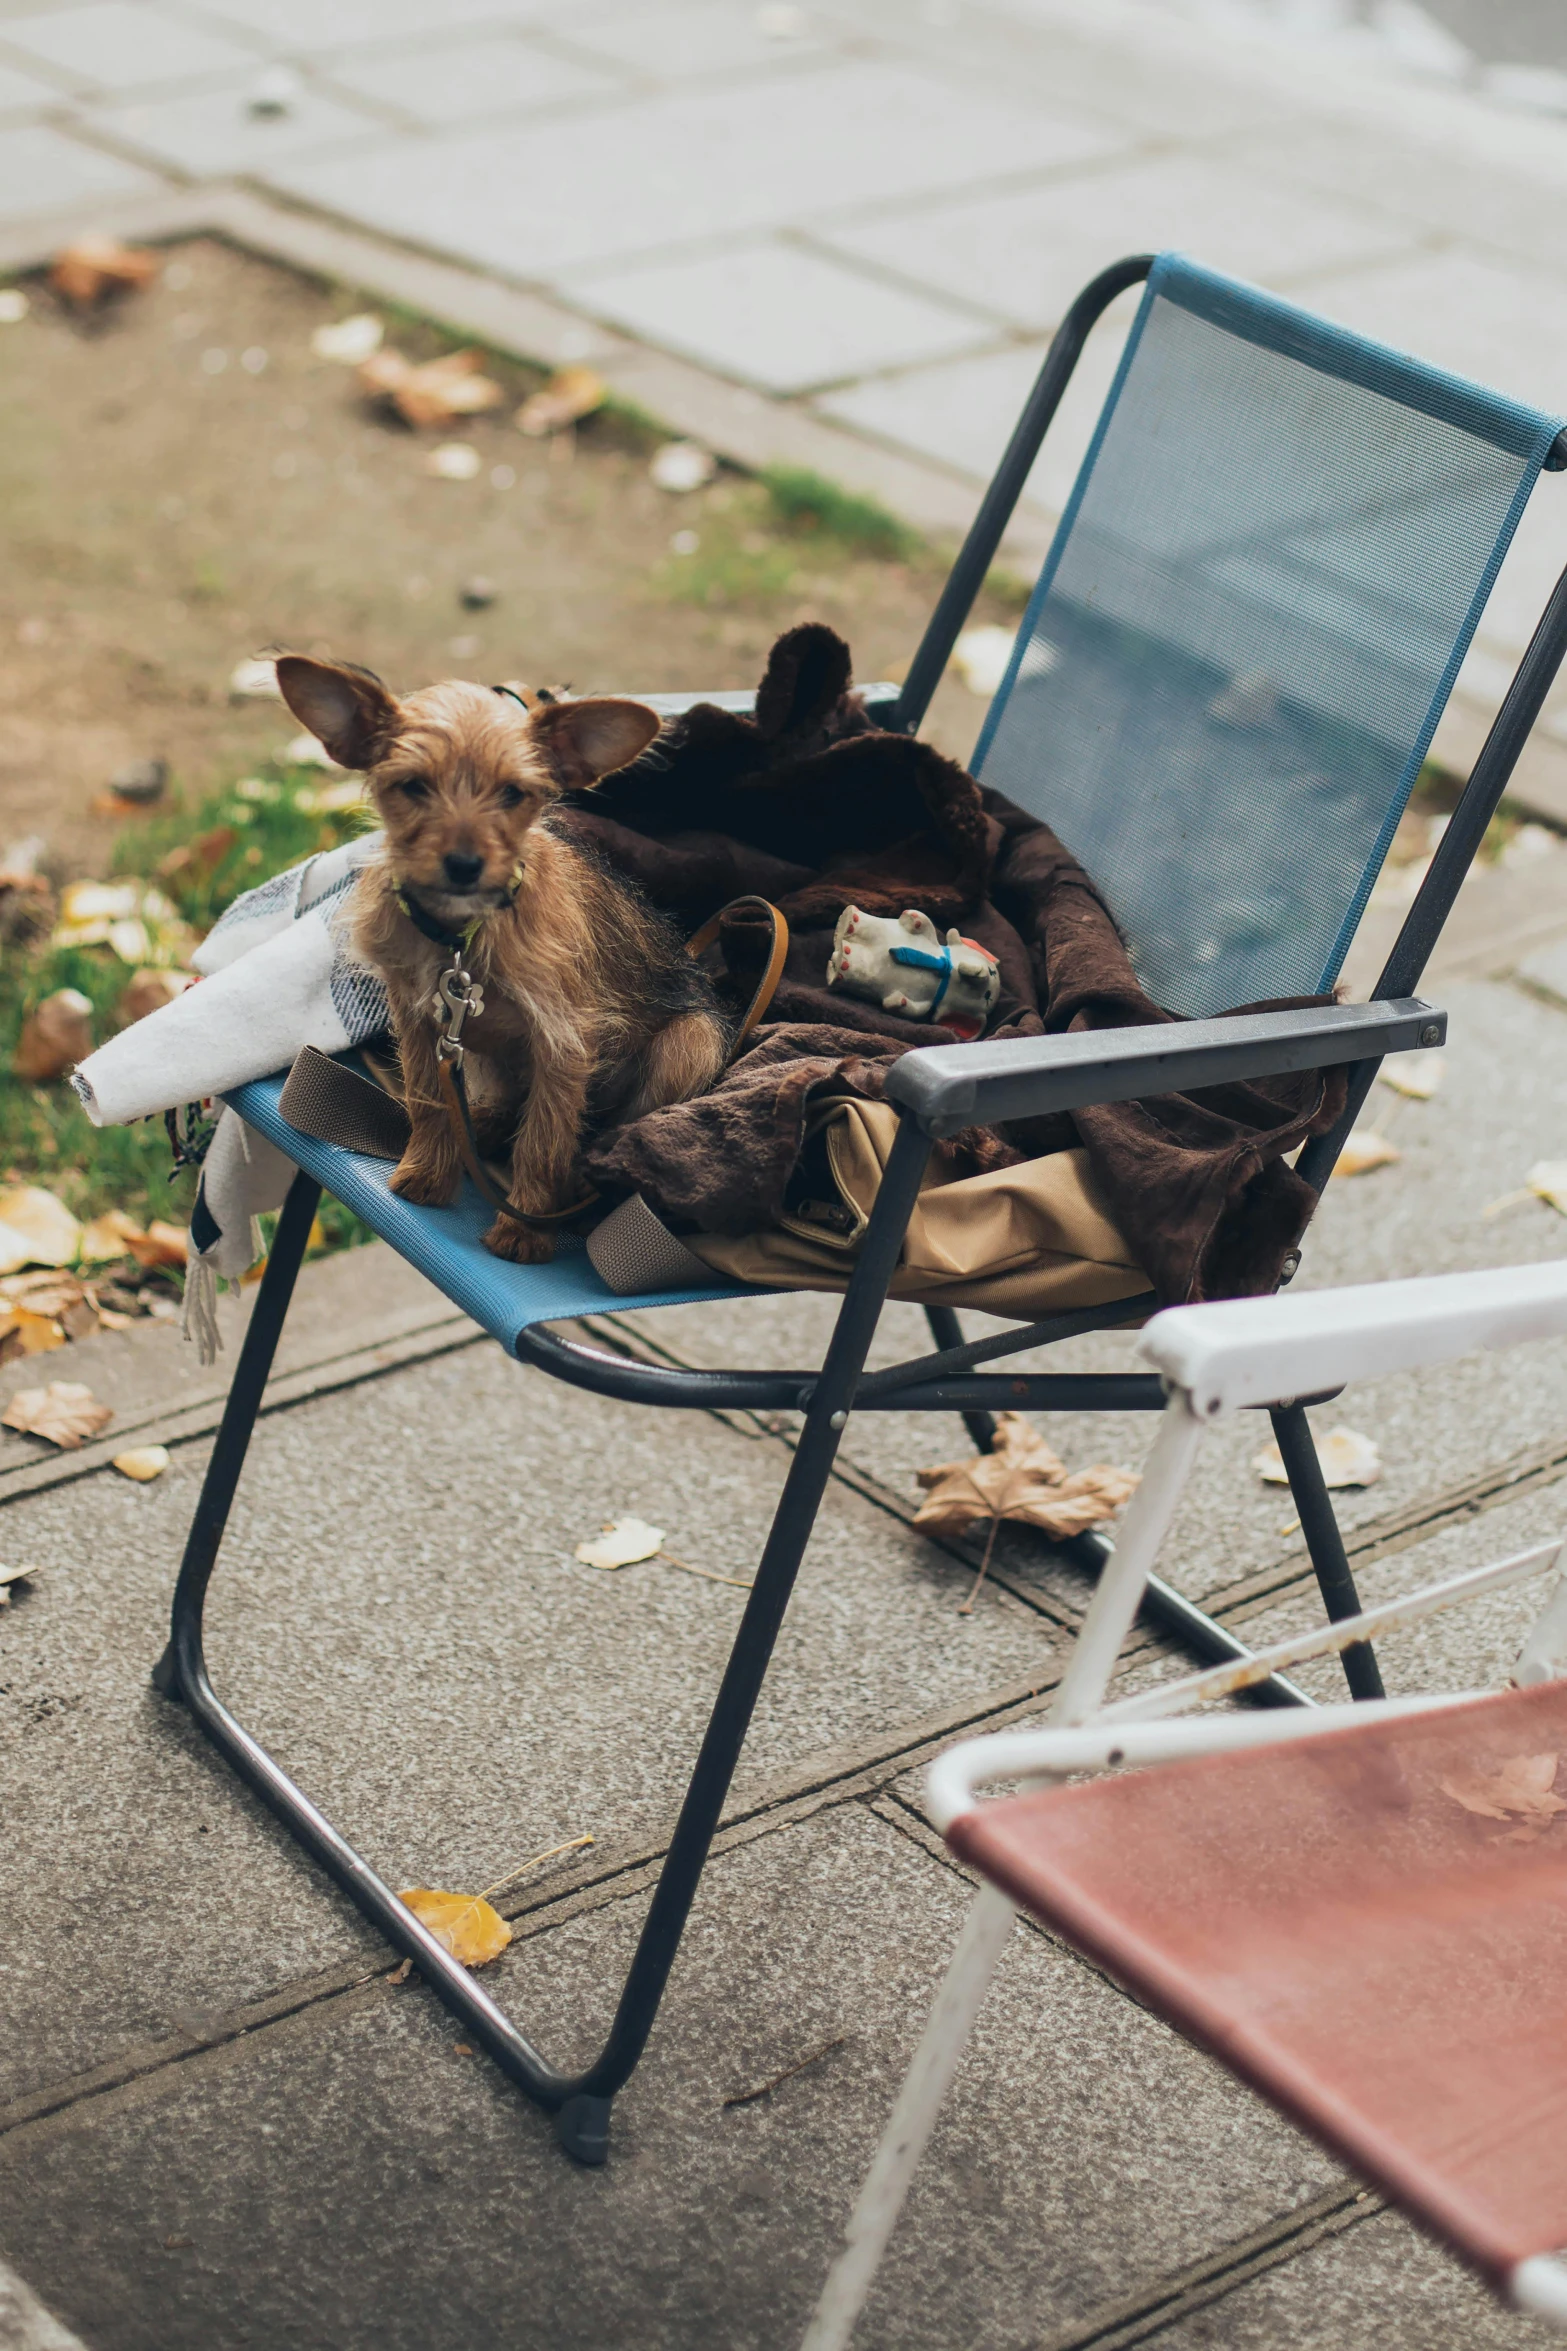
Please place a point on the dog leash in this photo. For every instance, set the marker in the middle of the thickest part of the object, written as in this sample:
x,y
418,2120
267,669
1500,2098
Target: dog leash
x,y
458,999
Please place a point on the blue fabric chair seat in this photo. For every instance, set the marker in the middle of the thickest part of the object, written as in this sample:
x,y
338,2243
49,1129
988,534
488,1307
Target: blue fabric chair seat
x,y
446,1244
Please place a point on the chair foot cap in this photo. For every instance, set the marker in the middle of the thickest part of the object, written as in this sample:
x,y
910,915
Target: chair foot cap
x,y
165,1676
582,2127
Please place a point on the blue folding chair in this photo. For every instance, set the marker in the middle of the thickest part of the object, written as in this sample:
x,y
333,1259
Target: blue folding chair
x,y
1274,559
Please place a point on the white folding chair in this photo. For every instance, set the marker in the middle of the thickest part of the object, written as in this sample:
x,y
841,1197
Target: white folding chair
x,y
1303,1894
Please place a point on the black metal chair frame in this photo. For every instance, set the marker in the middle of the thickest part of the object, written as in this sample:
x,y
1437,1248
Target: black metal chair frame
x,y
936,1091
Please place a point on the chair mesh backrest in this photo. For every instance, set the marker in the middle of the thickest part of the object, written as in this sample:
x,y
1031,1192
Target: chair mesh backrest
x,y
1243,637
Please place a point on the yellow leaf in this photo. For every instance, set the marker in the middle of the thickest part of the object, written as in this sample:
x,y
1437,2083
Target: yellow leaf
x,y
1365,1150
621,1544
65,1412
1418,1075
574,392
160,1244
108,1236
35,1229
39,1333
1020,1479
1547,1180
463,1924
143,1463
1347,1458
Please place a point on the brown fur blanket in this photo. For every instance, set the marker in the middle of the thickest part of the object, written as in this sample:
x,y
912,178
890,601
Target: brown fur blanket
x,y
810,805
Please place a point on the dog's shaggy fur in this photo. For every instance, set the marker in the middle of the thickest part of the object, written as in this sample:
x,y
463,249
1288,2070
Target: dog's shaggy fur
x,y
593,1012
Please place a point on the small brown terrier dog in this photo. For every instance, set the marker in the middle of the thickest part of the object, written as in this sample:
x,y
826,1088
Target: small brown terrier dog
x,y
593,1012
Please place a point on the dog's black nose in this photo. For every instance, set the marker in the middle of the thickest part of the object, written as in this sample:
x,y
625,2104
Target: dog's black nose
x,y
463,872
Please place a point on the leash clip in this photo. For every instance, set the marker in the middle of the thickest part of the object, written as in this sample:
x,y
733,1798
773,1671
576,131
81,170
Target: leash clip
x,y
457,999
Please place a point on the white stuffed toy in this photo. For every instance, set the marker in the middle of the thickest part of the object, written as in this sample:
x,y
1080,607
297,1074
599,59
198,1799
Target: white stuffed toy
x,y
906,966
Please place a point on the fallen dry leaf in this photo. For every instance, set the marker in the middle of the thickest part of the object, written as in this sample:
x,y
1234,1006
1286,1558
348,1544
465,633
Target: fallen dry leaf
x,y
1418,1075
55,1037
453,461
575,392
108,1236
255,679
348,341
1365,1150
27,908
1021,1480
1520,1789
11,1578
148,990
143,1463
622,1544
94,266
435,392
64,1413
161,1244
30,1333
202,856
1547,1180
1347,1458
980,658
463,1924
679,467
35,1229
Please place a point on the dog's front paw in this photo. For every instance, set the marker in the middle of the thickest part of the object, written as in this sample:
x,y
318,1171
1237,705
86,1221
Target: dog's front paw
x,y
523,1244
426,1183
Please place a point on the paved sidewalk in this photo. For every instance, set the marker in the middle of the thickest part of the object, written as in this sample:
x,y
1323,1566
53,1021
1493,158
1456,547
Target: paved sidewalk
x,y
860,217
223,2129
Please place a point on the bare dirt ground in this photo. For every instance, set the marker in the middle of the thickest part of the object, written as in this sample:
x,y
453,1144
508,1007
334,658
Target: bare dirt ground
x,y
183,483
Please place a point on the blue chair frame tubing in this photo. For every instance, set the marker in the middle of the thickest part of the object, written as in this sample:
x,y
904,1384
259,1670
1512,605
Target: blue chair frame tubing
x,y
936,1091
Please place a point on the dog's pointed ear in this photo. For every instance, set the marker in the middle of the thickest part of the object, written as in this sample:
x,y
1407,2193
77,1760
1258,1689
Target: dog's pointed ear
x,y
345,707
586,740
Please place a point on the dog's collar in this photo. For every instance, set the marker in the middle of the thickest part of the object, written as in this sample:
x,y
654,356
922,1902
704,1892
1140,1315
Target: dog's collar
x,y
455,942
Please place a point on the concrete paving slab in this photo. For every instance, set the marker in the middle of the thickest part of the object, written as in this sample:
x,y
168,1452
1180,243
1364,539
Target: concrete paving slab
x,y
961,411
310,27
361,1299
25,92
1380,2282
121,45
823,137
1471,1646
213,129
463,81
777,315
359,2179
42,170
1028,252
398,1614
682,43
1473,312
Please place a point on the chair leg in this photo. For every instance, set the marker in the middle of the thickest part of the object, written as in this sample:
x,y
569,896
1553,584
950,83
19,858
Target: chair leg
x,y
579,2102
947,1331
907,2135
1320,1527
180,1668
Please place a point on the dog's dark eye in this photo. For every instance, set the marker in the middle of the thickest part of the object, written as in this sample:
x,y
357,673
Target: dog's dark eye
x,y
416,787
512,795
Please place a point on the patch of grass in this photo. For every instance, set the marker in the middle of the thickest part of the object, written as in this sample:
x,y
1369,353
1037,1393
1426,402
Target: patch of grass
x,y
808,502
201,857
731,565
204,856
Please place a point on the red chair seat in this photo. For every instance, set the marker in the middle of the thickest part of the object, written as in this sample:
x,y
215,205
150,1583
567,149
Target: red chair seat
x,y
1385,1963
